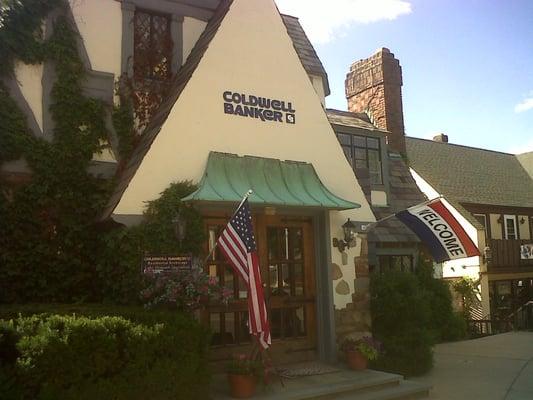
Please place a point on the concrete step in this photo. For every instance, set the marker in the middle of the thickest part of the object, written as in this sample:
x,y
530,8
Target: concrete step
x,y
344,384
406,390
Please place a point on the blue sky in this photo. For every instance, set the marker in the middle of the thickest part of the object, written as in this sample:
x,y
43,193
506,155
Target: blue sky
x,y
467,65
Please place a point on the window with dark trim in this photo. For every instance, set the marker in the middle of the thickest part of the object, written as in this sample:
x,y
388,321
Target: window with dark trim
x,y
510,227
363,152
152,46
152,63
403,263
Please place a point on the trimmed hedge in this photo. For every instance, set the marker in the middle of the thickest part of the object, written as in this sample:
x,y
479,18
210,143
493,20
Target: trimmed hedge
x,y
155,355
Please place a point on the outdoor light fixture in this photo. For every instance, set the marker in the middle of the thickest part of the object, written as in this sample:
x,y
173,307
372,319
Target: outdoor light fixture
x,y
180,226
522,221
499,220
349,229
487,254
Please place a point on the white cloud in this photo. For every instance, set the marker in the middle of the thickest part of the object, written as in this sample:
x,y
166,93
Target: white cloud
x,y
324,21
526,104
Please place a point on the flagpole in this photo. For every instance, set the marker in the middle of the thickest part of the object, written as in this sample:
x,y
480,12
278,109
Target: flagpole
x,y
246,195
394,214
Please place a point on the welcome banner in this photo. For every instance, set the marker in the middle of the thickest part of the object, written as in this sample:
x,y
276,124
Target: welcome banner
x,y
434,224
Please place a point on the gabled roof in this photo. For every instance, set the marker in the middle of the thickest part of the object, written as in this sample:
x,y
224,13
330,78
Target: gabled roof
x,y
305,50
302,45
471,175
154,126
526,159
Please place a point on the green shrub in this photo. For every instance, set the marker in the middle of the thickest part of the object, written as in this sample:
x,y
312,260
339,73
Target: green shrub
x,y
401,316
9,353
444,323
411,312
408,352
453,328
111,357
8,343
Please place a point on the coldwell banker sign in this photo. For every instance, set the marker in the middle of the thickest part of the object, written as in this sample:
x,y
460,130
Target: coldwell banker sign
x,y
261,108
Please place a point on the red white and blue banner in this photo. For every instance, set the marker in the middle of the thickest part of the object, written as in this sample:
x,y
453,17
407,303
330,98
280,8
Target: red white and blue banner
x,y
435,225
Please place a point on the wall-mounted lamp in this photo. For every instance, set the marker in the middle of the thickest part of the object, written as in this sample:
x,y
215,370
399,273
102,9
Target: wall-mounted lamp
x,y
487,254
349,229
499,220
522,221
180,226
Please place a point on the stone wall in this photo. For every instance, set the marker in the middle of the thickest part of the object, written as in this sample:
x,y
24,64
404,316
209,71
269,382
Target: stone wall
x,y
354,320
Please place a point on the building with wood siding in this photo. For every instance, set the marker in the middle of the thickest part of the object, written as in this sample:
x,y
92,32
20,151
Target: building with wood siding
x,y
493,192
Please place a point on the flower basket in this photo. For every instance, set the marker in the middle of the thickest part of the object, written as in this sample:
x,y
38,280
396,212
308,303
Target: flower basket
x,y
242,386
243,374
356,360
358,352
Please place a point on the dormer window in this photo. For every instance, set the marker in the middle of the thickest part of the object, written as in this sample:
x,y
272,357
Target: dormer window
x,y
363,152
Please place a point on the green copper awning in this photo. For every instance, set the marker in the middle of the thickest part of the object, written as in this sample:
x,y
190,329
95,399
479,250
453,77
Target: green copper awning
x,y
279,183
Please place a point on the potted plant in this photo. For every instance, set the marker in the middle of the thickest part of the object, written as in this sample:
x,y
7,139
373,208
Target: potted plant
x,y
359,352
243,374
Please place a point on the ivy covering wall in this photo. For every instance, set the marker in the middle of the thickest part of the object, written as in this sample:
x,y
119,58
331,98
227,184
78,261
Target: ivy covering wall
x,y
51,249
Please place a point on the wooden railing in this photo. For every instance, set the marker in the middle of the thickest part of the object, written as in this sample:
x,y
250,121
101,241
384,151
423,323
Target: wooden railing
x,y
521,319
506,253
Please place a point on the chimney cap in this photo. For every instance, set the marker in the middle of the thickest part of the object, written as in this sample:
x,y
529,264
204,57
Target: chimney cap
x,y
382,50
441,137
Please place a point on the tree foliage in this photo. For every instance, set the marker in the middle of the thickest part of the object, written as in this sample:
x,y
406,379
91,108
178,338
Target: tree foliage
x,y
50,247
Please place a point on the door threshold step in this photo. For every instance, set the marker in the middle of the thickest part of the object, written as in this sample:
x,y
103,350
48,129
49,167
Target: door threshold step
x,y
337,385
406,390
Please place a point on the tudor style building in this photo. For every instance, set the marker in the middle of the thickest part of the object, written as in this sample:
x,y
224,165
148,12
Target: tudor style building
x,y
181,60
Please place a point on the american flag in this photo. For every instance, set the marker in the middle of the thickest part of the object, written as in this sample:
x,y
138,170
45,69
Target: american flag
x,y
237,243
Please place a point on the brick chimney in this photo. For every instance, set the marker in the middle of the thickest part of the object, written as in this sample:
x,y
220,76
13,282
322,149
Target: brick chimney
x,y
441,137
374,85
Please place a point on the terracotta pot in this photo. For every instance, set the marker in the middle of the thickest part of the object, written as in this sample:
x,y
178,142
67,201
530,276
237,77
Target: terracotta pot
x,y
356,360
242,386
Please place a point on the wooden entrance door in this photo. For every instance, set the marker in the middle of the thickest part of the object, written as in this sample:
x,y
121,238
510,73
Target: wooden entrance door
x,y
286,255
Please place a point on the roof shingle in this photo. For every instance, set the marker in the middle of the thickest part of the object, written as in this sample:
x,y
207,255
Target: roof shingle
x,y
471,175
305,50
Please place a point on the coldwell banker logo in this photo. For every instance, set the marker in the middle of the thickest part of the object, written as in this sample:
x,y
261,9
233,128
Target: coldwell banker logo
x,y
257,107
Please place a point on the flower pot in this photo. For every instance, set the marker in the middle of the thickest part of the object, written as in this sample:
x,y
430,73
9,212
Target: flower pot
x,y
356,360
242,386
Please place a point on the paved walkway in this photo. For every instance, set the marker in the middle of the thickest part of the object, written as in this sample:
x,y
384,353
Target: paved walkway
x,y
497,367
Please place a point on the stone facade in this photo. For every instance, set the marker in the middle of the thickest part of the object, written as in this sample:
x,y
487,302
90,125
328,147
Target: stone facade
x,y
374,85
354,320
